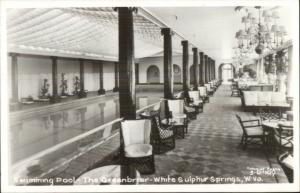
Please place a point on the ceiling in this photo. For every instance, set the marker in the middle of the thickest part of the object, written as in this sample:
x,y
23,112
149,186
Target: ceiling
x,y
92,32
212,29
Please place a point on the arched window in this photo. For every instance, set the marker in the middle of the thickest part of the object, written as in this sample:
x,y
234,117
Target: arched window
x,y
226,72
153,74
177,73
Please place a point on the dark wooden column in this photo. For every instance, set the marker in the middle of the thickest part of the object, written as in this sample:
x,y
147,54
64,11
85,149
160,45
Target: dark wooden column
x,y
116,88
55,98
14,78
196,65
101,89
185,67
137,77
209,68
201,68
168,72
214,69
206,69
82,93
126,63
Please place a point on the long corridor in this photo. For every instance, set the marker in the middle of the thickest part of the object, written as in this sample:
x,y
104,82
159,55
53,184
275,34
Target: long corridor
x,y
211,151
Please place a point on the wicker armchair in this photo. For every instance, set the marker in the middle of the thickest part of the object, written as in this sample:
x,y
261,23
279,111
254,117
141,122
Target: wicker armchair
x,y
162,136
135,145
203,93
177,116
210,91
195,101
251,131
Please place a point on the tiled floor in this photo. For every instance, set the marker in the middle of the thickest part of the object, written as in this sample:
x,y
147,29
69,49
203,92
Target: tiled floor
x,y
211,149
209,154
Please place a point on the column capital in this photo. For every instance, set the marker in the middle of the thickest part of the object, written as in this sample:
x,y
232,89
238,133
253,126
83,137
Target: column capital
x,y
201,53
53,57
195,49
13,54
166,31
184,43
133,9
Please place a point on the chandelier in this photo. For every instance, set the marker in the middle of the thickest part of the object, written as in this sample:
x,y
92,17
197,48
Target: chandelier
x,y
260,33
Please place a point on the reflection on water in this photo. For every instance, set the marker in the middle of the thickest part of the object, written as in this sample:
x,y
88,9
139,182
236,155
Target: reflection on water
x,y
35,134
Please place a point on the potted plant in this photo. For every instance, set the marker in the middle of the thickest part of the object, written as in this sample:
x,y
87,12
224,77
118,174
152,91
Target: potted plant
x,y
45,90
64,86
76,85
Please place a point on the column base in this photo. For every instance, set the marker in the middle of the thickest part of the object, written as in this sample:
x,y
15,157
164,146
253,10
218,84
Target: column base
x,y
82,94
116,89
54,99
101,91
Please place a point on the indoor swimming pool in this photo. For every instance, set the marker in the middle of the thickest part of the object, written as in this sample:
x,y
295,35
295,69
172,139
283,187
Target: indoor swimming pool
x,y
35,131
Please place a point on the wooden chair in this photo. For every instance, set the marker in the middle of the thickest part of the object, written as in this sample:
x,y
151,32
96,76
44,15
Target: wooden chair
x,y
252,130
283,137
234,90
285,160
136,149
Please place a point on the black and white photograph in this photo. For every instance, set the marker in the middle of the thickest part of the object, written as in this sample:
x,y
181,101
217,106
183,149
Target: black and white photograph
x,y
160,96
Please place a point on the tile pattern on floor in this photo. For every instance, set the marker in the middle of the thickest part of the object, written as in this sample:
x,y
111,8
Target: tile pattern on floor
x,y
211,151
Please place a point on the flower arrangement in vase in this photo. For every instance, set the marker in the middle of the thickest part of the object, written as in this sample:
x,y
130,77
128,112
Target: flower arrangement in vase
x,y
76,85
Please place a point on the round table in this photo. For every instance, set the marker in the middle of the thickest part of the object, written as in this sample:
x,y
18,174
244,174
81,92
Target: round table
x,y
109,175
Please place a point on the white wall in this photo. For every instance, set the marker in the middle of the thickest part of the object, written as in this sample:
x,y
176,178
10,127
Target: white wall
x,y
108,75
144,64
71,69
32,71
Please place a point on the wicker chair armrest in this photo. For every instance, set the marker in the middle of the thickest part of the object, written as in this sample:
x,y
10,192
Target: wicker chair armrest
x,y
249,126
250,120
168,127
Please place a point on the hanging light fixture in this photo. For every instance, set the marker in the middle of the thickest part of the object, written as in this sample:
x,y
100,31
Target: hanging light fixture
x,y
260,34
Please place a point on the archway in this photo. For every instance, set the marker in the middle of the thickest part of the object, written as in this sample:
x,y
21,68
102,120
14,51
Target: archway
x,y
192,75
226,72
153,74
177,73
